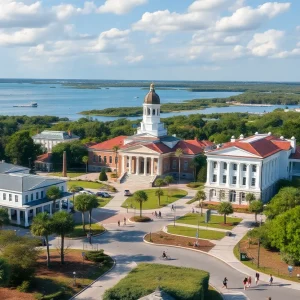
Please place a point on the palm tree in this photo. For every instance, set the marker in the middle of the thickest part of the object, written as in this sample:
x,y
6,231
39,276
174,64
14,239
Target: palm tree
x,y
200,196
62,224
53,193
73,189
225,208
4,218
85,160
42,226
179,153
140,197
82,206
168,180
159,192
250,197
92,203
116,148
194,164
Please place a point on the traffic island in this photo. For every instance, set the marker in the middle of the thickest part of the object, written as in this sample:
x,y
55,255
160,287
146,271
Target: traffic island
x,y
141,219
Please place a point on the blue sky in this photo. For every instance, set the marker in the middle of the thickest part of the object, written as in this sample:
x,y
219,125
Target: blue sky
x,y
151,39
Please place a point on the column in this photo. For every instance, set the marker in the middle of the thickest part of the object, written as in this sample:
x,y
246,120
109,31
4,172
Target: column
x,y
124,163
248,179
228,174
34,212
208,172
130,166
137,165
145,166
158,166
50,209
152,166
9,213
238,175
258,168
18,217
218,173
26,218
42,208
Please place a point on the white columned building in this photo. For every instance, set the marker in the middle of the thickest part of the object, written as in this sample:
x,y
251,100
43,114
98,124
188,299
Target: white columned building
x,y
250,165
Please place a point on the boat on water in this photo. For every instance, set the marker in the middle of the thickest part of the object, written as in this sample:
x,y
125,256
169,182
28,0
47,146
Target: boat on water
x,y
136,97
32,104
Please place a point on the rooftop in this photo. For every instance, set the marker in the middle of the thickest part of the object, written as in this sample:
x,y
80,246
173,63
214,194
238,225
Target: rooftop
x,y
55,135
109,144
6,168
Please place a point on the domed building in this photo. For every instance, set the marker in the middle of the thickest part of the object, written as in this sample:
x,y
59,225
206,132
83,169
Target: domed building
x,y
151,151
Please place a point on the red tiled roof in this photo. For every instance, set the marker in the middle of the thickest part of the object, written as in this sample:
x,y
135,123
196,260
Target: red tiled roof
x,y
44,158
296,155
262,147
109,144
192,147
159,147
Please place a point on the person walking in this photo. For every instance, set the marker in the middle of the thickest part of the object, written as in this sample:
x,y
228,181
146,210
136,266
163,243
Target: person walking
x,y
225,282
245,281
256,278
124,221
119,223
159,214
193,210
271,279
172,207
155,214
249,281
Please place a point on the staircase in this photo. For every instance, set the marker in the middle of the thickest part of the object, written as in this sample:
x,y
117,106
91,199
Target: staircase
x,y
131,179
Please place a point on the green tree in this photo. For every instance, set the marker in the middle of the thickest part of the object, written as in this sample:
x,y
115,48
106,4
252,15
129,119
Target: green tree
x,y
63,224
284,233
225,208
92,203
202,174
21,148
159,182
53,193
193,165
179,153
256,206
42,226
5,272
73,189
116,148
200,196
82,206
85,160
287,198
4,218
250,197
102,175
140,197
159,193
168,180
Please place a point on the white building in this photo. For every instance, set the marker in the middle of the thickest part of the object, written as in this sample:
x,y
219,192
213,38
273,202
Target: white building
x,y
48,139
250,165
6,168
24,196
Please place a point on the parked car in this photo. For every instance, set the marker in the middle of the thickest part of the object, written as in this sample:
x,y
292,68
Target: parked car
x,y
86,192
78,189
103,194
127,193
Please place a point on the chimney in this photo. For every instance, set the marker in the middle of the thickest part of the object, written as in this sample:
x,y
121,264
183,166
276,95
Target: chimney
x,y
293,144
195,138
64,172
282,137
256,133
241,136
270,133
232,139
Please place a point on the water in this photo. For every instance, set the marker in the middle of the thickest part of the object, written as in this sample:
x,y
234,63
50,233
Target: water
x,y
57,100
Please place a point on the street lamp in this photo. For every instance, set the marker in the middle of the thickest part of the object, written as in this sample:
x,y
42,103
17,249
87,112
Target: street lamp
x,y
174,208
74,274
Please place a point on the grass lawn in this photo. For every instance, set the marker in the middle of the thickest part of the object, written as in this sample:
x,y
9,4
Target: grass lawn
x,y
180,283
191,232
152,202
215,221
91,185
103,201
69,174
78,231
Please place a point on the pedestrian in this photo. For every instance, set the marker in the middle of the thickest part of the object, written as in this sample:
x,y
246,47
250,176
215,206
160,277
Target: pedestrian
x,y
270,279
155,214
193,210
269,298
172,207
119,223
245,281
225,283
249,281
124,221
159,214
256,278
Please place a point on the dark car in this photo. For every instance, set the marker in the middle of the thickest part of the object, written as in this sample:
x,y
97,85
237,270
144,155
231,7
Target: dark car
x,y
103,194
127,193
78,189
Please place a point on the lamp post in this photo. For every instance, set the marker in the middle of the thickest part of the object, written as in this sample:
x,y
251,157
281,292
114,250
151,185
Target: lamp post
x,y
174,215
74,274
258,248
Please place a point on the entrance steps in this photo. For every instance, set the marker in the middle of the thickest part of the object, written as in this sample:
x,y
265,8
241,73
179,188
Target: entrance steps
x,y
138,179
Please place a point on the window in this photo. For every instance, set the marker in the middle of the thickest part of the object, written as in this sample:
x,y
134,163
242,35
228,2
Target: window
x,y
37,195
243,197
62,188
26,198
174,164
234,167
4,196
153,112
104,159
253,182
225,166
94,158
254,168
31,197
244,180
233,179
224,178
214,178
244,167
215,164
185,166
16,198
99,159
42,194
10,197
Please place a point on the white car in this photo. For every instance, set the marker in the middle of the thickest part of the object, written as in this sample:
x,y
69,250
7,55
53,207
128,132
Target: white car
x,y
86,192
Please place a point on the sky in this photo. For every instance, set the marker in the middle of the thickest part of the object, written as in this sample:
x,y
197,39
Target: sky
x,y
243,40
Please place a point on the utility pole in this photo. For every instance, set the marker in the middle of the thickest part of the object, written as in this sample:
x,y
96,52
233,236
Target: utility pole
x,y
258,254
174,215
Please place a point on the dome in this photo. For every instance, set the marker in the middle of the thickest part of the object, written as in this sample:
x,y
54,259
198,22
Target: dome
x,y
152,97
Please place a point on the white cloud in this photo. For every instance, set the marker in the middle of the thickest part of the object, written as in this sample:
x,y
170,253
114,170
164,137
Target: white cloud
x,y
155,40
208,37
210,68
65,11
134,59
120,7
266,43
114,33
248,18
201,5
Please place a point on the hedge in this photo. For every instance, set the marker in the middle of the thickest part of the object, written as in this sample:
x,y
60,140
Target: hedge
x,y
180,283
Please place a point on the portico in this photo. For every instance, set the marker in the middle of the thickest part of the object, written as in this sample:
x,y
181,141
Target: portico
x,y
141,165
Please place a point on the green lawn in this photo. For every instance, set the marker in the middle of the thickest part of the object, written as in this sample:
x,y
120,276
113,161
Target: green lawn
x,y
78,231
91,185
170,196
180,283
103,201
215,221
191,232
69,174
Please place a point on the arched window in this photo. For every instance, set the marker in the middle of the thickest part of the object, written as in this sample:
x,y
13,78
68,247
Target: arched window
x,y
153,112
232,196
99,159
149,112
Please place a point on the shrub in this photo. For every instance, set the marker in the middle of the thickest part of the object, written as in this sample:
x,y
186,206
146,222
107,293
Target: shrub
x,y
24,287
113,175
103,176
140,219
194,185
54,296
97,256
289,259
